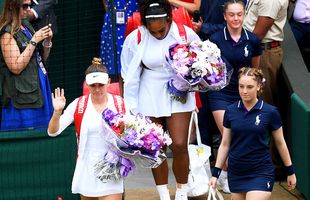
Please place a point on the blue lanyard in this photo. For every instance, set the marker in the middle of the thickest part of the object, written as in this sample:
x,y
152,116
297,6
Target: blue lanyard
x,y
38,57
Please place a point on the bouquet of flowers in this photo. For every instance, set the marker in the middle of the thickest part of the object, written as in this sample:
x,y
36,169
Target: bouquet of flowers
x,y
198,66
134,139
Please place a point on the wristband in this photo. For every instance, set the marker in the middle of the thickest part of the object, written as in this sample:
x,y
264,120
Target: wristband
x,y
290,170
216,172
33,43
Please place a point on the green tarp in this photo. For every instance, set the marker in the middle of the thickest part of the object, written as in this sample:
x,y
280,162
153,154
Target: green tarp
x,y
34,166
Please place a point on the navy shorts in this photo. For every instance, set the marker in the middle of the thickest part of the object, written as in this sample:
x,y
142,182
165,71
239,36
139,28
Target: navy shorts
x,y
219,100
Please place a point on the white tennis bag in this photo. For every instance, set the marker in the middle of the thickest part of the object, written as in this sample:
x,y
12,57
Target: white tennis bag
x,y
200,172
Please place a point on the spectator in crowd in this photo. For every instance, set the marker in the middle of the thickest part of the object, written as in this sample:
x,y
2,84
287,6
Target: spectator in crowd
x,y
145,76
245,142
26,98
266,19
300,25
110,50
240,48
91,143
189,5
42,13
212,18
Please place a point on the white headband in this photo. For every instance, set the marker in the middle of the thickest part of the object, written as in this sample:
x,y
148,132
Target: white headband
x,y
153,4
155,16
97,77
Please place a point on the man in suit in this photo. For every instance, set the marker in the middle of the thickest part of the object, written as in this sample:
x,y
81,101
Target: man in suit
x,y
41,13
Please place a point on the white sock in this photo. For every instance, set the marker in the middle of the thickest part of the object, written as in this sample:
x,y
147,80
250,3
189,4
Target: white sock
x,y
163,192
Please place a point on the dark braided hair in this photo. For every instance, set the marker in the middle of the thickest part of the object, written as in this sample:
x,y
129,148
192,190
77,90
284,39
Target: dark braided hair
x,y
163,8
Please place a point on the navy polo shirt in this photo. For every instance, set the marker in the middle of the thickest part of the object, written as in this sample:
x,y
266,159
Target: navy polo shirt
x,y
250,135
238,54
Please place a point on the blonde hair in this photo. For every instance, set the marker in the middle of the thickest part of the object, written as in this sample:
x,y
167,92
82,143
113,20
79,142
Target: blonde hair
x,y
96,66
257,75
96,61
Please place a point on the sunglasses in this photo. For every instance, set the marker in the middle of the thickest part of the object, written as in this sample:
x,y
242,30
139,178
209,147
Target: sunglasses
x,y
25,6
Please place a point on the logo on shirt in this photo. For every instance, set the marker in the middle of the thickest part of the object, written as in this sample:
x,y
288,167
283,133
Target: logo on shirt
x,y
268,184
257,120
246,51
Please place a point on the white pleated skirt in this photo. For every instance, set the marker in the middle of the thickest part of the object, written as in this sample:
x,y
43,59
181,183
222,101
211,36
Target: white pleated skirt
x,y
85,182
154,98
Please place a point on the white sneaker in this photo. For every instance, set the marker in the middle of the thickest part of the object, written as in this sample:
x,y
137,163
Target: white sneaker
x,y
180,195
222,182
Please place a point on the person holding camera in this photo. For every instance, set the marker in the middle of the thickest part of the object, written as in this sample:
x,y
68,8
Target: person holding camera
x,y
26,100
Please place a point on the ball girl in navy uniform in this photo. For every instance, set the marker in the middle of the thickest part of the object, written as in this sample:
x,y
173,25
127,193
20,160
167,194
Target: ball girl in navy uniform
x,y
240,48
247,126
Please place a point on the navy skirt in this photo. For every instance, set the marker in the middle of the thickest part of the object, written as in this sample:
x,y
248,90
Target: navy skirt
x,y
239,184
255,175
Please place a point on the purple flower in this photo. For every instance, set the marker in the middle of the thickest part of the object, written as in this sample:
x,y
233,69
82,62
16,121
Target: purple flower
x,y
126,166
151,142
213,78
130,136
108,115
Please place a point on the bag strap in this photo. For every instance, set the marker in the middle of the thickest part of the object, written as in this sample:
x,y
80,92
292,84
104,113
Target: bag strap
x,y
194,119
79,113
181,29
182,32
81,107
213,192
119,104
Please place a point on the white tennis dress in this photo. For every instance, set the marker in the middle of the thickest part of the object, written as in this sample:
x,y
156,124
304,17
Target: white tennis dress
x,y
146,88
92,146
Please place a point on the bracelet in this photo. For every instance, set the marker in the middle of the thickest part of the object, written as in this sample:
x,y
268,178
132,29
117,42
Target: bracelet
x,y
216,172
47,46
33,43
290,170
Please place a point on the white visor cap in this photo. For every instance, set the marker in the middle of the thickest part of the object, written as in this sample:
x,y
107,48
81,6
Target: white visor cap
x,y
97,77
